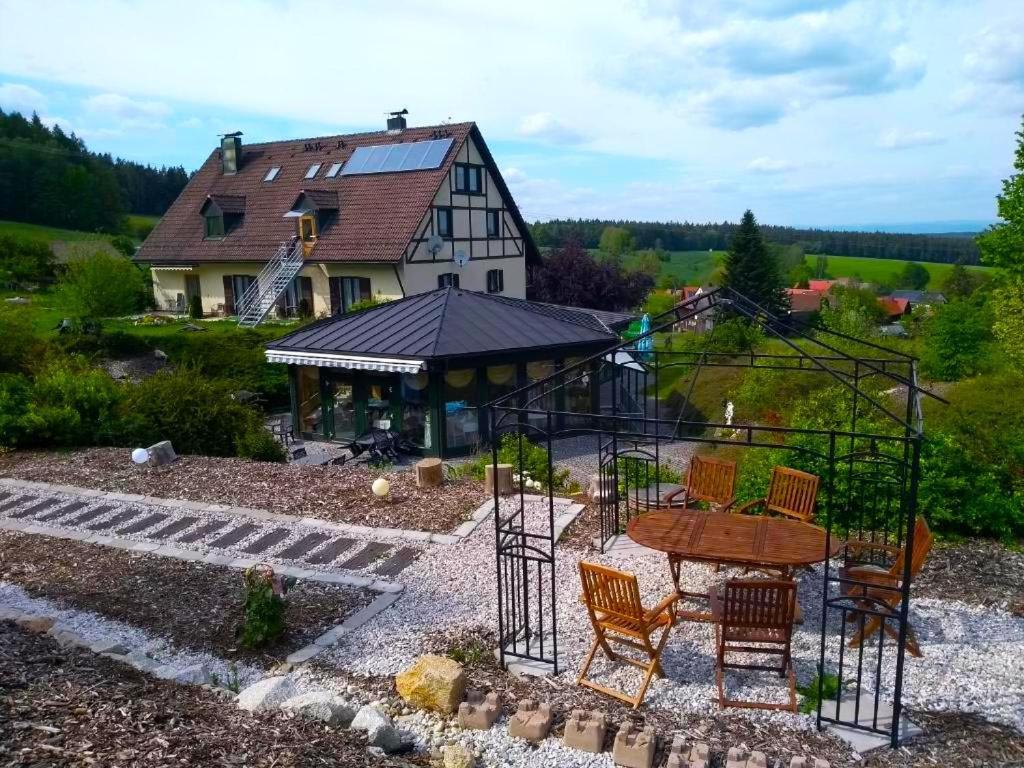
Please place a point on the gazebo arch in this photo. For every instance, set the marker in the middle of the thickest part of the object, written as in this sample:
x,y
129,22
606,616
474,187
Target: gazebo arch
x,y
869,471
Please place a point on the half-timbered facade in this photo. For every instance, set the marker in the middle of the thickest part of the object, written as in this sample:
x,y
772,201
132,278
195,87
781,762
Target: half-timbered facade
x,y
320,225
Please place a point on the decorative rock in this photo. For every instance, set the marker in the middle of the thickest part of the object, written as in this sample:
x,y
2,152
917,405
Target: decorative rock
x,y
197,674
634,749
531,721
433,683
478,711
503,473
269,693
736,758
105,646
757,760
380,731
39,624
65,637
457,756
585,729
681,757
161,453
798,761
321,705
819,763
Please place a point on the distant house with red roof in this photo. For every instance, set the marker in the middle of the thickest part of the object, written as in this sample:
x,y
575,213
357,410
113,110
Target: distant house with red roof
x,y
894,307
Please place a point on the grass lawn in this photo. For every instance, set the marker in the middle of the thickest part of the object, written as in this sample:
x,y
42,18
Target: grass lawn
x,y
879,270
43,234
690,267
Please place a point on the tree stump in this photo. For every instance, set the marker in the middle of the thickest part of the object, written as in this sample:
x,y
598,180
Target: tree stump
x,y
504,472
429,473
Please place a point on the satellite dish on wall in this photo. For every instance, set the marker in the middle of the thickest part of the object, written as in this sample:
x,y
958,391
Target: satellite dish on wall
x,y
461,258
435,244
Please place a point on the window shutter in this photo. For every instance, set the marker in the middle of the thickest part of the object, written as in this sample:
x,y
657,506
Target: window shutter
x,y
335,284
229,296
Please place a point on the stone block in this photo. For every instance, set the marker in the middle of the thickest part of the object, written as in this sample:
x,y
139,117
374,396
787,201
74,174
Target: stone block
x,y
531,721
757,760
433,683
819,763
479,711
268,693
161,453
457,756
321,705
380,730
196,674
585,729
798,761
736,758
634,748
683,756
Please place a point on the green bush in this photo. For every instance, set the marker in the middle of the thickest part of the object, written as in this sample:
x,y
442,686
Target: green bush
x,y
19,348
197,414
639,473
263,622
15,402
24,262
101,285
259,445
956,341
534,462
76,405
123,245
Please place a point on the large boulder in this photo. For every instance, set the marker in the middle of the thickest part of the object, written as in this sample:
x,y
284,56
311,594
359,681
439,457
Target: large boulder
x,y
162,453
321,705
380,730
433,683
269,693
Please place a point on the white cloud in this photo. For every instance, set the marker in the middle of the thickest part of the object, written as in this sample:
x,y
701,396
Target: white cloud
x,y
124,108
901,139
15,97
192,122
545,127
512,174
996,55
770,165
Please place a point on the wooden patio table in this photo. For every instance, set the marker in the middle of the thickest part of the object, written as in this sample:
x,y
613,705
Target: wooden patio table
x,y
730,539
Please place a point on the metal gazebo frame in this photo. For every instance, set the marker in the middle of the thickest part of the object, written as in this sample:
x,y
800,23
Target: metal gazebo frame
x,y
870,471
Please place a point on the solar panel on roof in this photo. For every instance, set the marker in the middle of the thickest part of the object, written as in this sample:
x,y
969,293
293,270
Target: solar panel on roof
x,y
389,158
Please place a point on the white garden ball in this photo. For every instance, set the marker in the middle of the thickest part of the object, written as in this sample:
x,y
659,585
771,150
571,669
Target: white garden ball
x,y
140,455
380,487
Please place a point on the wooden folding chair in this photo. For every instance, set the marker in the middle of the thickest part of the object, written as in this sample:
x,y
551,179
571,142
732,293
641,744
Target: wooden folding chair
x,y
613,602
791,493
886,597
754,616
708,479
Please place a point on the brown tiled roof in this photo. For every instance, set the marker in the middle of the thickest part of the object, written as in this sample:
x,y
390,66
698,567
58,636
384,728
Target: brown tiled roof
x,y
378,217
804,300
327,199
226,203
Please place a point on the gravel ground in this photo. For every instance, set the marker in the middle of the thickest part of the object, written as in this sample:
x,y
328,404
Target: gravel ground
x,y
971,661
338,494
67,707
195,605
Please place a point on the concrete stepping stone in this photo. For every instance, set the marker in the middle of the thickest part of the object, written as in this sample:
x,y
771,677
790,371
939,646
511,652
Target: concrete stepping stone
x,y
306,544
202,532
120,517
66,510
368,554
36,508
147,522
266,541
176,527
330,552
92,514
11,504
398,562
231,538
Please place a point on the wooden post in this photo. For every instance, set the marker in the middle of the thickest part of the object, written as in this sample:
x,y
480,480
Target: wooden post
x,y
504,472
429,473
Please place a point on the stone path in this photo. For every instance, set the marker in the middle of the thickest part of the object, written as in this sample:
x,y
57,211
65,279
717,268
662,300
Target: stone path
x,y
217,536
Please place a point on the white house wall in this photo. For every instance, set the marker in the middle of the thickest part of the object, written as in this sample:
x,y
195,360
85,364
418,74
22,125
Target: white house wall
x,y
469,233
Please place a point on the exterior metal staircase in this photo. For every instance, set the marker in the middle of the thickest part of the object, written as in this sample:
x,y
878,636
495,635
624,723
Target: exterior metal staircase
x,y
271,282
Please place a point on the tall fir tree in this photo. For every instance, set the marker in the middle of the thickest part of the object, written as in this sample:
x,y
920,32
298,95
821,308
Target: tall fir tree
x,y
751,270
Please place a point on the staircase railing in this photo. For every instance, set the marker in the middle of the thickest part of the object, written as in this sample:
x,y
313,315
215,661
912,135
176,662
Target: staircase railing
x,y
269,284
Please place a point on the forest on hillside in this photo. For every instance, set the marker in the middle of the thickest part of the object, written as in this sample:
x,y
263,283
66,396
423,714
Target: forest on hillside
x,y
50,177
686,236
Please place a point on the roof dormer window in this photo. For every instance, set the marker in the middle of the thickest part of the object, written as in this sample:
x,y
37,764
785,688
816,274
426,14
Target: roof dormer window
x,y
333,170
313,170
272,173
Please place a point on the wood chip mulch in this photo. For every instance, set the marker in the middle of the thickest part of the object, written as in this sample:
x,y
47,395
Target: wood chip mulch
x,y
195,605
339,494
974,571
65,707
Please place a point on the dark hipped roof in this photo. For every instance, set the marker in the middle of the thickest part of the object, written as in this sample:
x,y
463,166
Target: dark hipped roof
x,y
452,322
379,215
225,203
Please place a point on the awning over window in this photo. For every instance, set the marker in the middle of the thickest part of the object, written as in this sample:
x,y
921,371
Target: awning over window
x,y
326,360
173,267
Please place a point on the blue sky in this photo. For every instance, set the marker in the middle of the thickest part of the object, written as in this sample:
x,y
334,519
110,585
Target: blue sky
x,y
810,112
